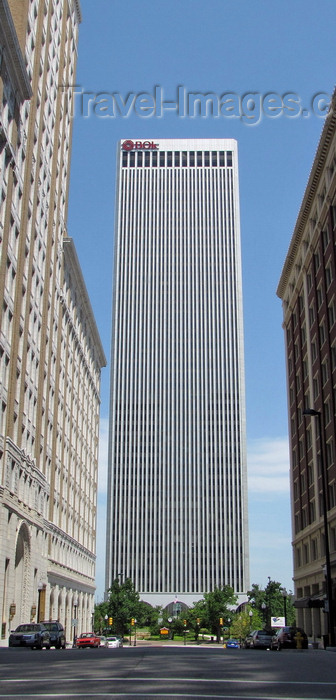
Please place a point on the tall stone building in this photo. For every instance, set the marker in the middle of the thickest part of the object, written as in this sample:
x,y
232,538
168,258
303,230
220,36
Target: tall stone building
x,y
50,351
177,506
308,291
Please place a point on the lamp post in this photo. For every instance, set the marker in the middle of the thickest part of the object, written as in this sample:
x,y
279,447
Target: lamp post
x,y
250,616
40,587
331,631
75,604
284,595
263,607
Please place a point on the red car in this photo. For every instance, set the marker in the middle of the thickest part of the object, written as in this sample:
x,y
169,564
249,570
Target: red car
x,y
87,639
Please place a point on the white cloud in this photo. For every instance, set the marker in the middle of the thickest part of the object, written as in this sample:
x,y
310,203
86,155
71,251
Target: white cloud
x,y
268,465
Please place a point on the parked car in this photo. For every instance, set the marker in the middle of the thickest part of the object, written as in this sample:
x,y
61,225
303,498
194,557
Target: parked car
x,y
32,634
87,639
102,640
232,644
57,634
287,638
113,642
258,639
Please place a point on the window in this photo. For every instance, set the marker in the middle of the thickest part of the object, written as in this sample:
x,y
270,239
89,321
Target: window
x,y
312,511
325,238
328,276
329,454
324,373
310,468
311,315
322,333
298,557
317,260
315,388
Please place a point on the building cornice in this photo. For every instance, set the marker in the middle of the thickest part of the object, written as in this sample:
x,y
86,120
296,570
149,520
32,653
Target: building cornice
x,y
78,11
13,55
328,133
72,261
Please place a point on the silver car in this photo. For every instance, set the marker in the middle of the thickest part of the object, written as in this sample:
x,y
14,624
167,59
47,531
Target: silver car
x,y
32,634
258,639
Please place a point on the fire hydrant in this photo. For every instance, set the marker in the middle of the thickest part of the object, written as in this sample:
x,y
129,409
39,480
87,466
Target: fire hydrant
x,y
299,639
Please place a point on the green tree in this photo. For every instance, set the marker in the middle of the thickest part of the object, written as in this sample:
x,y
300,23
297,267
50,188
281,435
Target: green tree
x,y
214,606
124,604
241,625
270,602
99,617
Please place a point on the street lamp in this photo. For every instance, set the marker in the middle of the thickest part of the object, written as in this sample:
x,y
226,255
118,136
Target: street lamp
x,y
263,607
250,616
75,604
284,594
331,632
40,587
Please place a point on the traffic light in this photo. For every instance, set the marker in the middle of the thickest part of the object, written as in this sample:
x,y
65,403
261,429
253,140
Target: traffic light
x,y
132,621
198,620
220,620
110,621
185,622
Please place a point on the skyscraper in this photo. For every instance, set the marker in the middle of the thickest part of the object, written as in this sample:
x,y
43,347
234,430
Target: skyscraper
x,y
177,507
50,351
307,288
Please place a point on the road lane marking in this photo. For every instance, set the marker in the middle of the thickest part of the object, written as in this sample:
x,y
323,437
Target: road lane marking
x,y
186,696
145,679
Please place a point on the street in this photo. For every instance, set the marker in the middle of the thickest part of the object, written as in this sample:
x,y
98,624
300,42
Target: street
x,y
158,672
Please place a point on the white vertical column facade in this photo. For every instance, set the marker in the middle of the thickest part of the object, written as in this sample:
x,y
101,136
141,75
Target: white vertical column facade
x,y
177,511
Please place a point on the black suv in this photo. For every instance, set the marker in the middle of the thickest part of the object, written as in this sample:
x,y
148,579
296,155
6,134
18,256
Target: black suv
x,y
289,638
57,634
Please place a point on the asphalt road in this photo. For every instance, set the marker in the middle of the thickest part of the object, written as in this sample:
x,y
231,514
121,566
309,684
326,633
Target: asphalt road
x,y
157,673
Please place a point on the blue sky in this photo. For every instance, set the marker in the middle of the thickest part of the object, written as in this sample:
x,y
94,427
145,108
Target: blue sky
x,y
245,51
